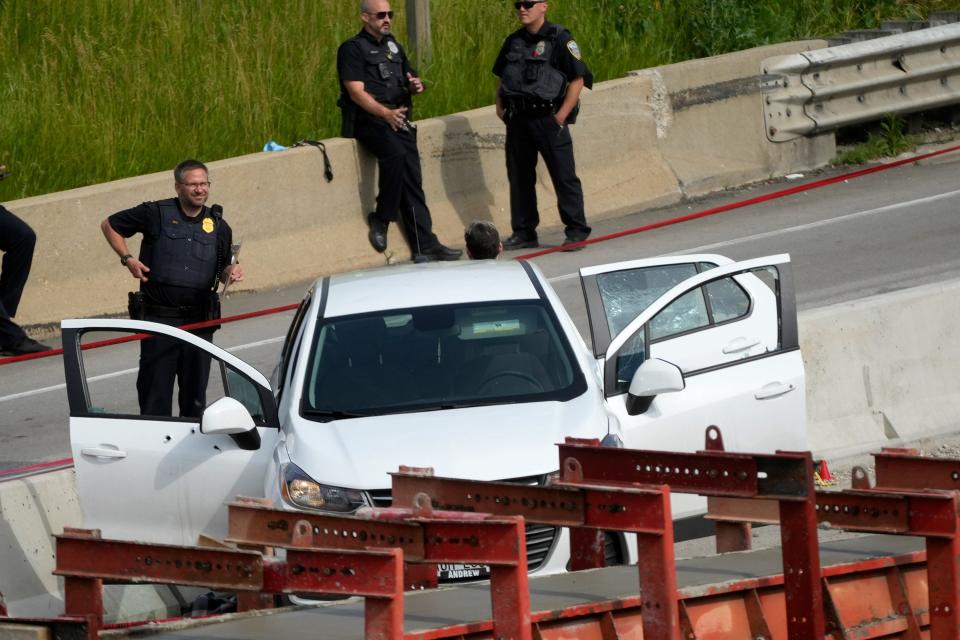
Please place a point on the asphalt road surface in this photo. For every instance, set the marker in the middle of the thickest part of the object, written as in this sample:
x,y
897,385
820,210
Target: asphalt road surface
x,y
883,232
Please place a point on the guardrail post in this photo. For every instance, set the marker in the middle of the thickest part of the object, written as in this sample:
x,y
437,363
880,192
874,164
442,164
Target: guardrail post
x,y
801,564
587,549
510,593
729,536
658,577
733,536
83,597
943,583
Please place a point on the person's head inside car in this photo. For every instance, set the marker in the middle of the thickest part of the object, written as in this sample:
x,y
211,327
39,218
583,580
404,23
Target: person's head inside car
x,y
483,241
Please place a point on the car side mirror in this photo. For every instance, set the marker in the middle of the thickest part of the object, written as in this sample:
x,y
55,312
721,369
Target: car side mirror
x,y
226,416
652,378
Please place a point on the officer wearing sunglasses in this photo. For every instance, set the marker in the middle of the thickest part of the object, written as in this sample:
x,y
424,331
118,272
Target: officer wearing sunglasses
x,y
541,75
376,85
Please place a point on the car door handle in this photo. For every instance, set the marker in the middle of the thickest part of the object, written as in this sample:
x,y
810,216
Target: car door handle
x,y
103,452
773,390
740,344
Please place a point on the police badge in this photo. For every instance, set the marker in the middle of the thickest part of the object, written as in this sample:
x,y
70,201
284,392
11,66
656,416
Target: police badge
x,y
541,47
394,49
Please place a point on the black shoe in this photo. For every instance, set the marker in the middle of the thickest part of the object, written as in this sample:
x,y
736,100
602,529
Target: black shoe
x,y
378,232
24,346
571,242
516,241
438,252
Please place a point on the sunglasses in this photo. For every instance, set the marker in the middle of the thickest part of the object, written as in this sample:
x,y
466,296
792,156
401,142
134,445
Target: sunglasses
x,y
527,4
380,15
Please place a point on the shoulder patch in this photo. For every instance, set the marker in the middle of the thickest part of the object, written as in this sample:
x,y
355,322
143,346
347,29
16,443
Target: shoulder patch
x,y
573,49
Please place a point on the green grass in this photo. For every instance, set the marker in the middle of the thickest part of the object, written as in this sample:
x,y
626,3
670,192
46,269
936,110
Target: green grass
x,y
95,90
886,141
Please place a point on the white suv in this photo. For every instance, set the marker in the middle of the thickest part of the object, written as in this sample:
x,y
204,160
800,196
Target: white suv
x,y
472,368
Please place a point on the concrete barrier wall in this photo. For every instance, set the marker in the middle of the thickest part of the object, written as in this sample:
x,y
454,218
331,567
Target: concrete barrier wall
x,y
32,511
710,122
642,141
883,370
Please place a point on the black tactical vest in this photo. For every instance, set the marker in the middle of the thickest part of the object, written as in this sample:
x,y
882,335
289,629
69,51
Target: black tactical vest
x,y
529,72
185,253
384,76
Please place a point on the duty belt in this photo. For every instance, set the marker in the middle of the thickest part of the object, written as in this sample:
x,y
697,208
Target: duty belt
x,y
529,106
164,311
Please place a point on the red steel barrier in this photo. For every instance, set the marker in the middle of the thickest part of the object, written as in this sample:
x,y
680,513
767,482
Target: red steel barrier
x,y
85,561
625,490
423,535
786,477
914,496
641,510
867,595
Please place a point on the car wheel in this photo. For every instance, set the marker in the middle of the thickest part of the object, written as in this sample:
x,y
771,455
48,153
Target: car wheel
x,y
614,549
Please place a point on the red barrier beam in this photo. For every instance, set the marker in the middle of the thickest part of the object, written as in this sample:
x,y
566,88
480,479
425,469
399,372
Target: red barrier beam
x,y
905,469
254,523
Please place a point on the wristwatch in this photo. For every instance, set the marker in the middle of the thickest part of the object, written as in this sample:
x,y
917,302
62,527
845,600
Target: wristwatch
x,y
123,259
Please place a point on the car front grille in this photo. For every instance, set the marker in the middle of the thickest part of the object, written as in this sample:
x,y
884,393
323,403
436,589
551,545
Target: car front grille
x,y
540,537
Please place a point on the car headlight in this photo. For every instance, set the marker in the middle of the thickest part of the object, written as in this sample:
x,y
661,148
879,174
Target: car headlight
x,y
302,491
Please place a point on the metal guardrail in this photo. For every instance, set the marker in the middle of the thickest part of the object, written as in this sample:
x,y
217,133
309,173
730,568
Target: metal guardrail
x,y
817,91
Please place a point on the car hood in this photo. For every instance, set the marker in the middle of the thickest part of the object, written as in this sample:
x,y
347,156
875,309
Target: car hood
x,y
480,443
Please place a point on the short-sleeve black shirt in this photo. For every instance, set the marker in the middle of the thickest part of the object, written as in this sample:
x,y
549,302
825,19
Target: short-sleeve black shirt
x,y
145,218
563,60
352,65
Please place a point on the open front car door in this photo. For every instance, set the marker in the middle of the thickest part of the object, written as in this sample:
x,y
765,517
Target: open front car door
x,y
161,478
719,347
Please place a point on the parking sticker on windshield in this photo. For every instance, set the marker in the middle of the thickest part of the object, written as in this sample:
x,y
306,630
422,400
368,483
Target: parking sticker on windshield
x,y
496,326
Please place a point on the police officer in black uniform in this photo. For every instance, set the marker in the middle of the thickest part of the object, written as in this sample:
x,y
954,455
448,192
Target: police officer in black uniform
x,y
17,241
184,254
541,76
376,83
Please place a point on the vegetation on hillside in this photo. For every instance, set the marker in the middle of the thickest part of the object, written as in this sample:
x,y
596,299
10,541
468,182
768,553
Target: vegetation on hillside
x,y
95,90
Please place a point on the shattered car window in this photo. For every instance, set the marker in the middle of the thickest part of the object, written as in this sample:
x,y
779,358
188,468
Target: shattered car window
x,y
688,312
627,293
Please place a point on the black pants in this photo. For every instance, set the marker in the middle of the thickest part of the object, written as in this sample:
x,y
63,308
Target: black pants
x,y
164,359
400,198
17,241
528,136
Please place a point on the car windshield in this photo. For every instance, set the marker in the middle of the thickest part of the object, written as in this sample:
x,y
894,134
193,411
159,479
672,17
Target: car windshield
x,y
438,358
